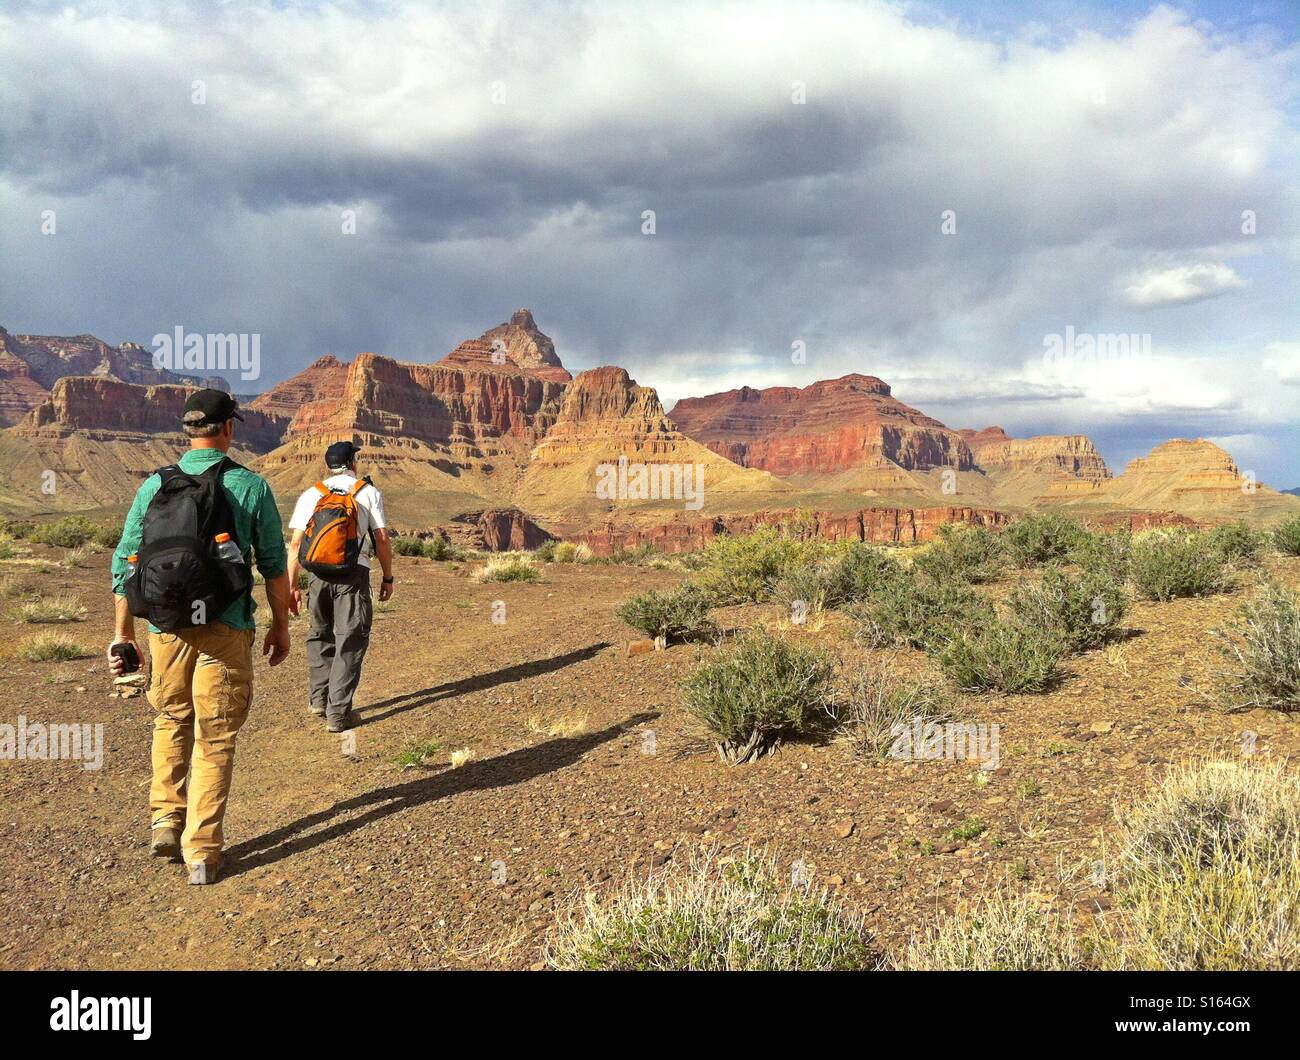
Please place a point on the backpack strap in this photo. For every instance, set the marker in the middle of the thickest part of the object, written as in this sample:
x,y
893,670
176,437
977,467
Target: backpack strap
x,y
325,491
361,484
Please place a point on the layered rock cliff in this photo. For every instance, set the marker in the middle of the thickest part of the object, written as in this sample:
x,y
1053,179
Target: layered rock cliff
x,y
108,408
884,525
1073,455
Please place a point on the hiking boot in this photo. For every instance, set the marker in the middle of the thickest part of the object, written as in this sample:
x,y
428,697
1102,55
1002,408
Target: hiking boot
x,y
348,721
165,842
319,711
203,872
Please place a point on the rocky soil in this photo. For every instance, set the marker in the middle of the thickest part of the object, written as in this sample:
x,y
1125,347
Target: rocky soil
x,y
582,769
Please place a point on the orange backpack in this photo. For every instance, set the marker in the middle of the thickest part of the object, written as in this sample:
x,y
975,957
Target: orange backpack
x,y
331,541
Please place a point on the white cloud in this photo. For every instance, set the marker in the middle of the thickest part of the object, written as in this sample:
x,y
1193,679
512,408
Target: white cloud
x,y
1183,283
1283,360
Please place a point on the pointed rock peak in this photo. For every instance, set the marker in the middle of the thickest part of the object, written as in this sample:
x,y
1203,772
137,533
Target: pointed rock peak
x,y
515,346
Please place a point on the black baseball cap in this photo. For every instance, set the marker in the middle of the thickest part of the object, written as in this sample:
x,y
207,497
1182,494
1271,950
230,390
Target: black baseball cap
x,y
340,455
206,407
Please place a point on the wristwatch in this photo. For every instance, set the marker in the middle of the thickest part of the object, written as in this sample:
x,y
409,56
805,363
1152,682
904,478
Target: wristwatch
x,y
387,580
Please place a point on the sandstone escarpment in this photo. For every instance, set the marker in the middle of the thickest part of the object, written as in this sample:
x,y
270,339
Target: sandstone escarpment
x,y
823,429
883,525
1072,455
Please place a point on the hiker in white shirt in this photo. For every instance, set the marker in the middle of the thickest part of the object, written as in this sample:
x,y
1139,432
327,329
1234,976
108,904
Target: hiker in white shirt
x,y
336,531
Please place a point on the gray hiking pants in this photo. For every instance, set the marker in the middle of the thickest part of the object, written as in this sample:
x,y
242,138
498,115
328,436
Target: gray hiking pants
x,y
341,613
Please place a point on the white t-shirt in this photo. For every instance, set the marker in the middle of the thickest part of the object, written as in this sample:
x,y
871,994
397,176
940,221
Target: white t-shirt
x,y
370,510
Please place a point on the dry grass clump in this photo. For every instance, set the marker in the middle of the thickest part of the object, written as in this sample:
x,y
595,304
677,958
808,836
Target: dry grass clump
x,y
1206,877
507,568
61,608
1000,933
715,915
878,707
52,647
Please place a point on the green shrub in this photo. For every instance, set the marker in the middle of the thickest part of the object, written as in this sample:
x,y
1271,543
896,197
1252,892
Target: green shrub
x,y
1108,553
757,691
1286,537
545,552
1167,565
744,568
633,556
72,531
856,572
1085,610
877,703
408,546
18,529
106,536
808,586
1266,650
907,611
1043,538
1238,544
52,647
971,554
439,548
716,915
1002,657
679,614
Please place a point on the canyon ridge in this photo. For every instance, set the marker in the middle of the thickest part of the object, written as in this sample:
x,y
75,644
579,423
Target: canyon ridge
x,y
498,444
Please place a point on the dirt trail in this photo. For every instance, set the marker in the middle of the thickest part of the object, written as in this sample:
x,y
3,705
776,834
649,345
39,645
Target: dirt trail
x,y
355,862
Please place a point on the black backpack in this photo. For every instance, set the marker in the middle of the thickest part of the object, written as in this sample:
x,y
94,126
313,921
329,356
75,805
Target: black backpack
x,y
180,582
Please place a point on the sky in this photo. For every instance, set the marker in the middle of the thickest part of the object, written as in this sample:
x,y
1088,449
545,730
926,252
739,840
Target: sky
x,y
1054,217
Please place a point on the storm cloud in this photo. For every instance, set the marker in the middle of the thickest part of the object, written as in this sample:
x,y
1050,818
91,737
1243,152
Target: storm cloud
x,y
901,195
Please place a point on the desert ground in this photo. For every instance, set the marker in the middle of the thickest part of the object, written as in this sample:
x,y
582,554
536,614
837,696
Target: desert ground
x,y
390,857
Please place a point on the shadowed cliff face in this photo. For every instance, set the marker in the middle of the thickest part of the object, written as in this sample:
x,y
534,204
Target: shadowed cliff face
x,y
828,427
113,410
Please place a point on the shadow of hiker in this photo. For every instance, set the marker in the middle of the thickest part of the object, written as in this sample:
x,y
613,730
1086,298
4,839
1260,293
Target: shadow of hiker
x,y
477,683
514,767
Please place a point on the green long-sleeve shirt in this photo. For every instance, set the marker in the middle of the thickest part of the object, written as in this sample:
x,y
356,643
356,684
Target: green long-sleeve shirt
x,y
257,523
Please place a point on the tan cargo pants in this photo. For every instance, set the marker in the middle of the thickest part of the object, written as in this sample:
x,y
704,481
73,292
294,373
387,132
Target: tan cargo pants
x,y
201,688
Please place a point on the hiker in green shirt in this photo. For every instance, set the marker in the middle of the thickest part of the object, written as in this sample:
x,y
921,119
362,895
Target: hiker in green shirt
x,y
202,680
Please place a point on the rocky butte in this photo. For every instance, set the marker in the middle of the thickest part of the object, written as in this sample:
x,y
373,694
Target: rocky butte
x,y
821,429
